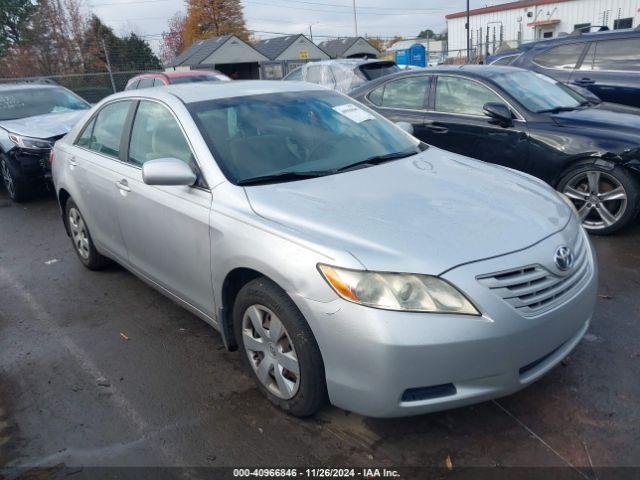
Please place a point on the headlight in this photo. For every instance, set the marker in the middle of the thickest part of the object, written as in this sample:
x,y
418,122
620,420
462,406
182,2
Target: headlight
x,y
30,143
397,291
569,202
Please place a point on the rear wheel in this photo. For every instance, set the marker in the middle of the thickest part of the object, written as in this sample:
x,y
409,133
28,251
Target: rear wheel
x,y
81,239
606,199
279,348
17,188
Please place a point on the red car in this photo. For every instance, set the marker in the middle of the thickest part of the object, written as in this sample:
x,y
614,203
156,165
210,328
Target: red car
x,y
159,79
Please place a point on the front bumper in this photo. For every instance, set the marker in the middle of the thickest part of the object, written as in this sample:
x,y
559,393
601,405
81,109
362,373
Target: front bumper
x,y
383,363
31,166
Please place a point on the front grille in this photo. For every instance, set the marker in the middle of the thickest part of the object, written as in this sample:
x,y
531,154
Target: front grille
x,y
534,289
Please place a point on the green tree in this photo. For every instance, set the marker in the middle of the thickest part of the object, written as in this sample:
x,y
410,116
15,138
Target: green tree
x,y
14,18
427,33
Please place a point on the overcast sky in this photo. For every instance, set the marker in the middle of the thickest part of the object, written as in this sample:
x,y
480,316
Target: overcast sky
x,y
328,17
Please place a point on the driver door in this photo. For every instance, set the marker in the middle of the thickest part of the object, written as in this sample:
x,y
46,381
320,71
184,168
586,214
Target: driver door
x,y
457,123
166,228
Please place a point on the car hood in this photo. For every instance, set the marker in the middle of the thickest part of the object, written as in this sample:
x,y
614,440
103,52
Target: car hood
x,y
427,213
603,116
44,126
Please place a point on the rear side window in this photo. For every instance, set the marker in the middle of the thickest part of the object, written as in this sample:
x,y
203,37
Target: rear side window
x,y
107,131
295,75
145,83
409,93
462,96
563,56
617,55
157,82
508,60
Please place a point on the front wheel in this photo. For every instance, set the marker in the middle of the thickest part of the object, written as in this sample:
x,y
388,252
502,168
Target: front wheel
x,y
17,188
279,348
606,199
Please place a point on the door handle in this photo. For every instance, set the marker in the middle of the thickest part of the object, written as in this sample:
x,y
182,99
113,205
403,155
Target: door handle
x,y
123,185
436,128
584,81
72,162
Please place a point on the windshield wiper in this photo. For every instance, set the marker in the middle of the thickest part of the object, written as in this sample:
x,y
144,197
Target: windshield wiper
x,y
558,109
282,177
377,160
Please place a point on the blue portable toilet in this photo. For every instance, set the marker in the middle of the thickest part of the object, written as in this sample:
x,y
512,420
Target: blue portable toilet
x,y
403,57
417,55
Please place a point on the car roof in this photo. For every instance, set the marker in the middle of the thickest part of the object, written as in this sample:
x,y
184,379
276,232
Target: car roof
x,y
583,37
484,71
217,90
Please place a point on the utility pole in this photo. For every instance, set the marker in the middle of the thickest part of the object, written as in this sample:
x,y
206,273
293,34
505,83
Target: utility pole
x,y
468,35
106,54
311,32
355,18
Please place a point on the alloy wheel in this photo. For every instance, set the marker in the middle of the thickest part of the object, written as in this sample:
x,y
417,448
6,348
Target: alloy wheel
x,y
270,351
79,233
7,178
599,197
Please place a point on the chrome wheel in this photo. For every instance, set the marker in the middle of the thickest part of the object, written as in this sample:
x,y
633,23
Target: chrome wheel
x,y
79,233
270,351
7,178
599,197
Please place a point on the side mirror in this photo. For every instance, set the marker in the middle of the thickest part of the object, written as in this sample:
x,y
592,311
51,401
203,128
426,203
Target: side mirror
x,y
499,112
167,171
406,126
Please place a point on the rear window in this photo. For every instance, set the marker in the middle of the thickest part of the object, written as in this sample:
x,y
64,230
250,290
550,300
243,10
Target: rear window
x,y
563,56
376,70
194,79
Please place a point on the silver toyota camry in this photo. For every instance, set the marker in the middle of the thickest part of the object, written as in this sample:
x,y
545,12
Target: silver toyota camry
x,y
346,261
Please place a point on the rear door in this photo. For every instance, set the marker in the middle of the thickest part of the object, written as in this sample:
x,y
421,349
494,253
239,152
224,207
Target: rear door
x,y
611,70
94,164
404,100
166,228
456,122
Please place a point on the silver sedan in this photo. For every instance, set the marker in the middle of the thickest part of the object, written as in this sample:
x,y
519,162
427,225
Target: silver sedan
x,y
346,260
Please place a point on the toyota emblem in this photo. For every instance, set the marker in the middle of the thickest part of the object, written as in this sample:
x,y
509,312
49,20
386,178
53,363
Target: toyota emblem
x,y
563,258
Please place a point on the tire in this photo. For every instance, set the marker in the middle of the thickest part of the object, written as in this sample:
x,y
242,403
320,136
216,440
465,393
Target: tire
x,y
606,199
81,238
261,301
17,189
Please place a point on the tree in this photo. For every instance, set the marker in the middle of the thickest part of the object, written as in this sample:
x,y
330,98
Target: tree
x,y
393,40
428,34
212,18
14,17
173,40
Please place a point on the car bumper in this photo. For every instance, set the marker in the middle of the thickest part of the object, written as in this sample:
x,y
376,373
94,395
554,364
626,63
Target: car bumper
x,y
382,363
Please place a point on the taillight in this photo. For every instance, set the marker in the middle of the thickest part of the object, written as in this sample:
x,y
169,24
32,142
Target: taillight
x,y
51,157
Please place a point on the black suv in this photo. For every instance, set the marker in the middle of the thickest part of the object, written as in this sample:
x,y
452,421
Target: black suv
x,y
606,62
32,118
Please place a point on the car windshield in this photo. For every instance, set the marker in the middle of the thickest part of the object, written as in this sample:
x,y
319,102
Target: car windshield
x,y
296,133
28,102
195,78
538,93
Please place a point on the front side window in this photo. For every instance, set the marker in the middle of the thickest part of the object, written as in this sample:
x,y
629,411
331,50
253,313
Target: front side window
x,y
462,96
406,93
107,131
562,56
29,102
537,92
618,55
84,140
156,134
312,132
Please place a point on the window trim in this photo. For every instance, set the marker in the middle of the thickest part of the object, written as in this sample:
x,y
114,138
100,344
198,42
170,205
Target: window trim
x,y
519,116
585,45
425,103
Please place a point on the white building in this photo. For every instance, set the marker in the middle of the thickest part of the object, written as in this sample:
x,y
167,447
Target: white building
x,y
512,23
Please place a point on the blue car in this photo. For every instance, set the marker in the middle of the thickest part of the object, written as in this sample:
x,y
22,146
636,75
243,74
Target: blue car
x,y
607,63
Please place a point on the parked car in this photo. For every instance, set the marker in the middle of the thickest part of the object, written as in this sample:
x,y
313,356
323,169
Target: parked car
x,y
342,75
160,79
281,214
32,118
606,62
504,58
528,122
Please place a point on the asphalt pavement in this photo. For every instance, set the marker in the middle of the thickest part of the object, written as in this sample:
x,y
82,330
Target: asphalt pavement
x,y
99,369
